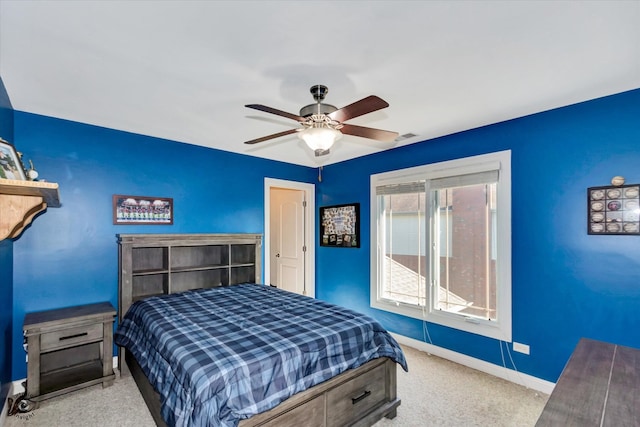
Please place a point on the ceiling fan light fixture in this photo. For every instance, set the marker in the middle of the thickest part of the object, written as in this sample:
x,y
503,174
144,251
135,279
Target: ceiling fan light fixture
x,y
323,124
320,138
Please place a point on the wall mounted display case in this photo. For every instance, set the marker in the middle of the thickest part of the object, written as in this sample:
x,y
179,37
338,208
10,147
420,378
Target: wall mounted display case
x,y
614,210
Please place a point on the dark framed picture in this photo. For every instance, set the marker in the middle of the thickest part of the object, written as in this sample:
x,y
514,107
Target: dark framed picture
x,y
614,210
129,210
340,226
10,164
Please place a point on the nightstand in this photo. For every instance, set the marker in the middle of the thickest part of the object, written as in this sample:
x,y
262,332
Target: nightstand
x,y
68,349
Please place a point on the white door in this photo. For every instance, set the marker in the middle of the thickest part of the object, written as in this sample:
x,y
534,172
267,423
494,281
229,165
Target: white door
x,y
287,239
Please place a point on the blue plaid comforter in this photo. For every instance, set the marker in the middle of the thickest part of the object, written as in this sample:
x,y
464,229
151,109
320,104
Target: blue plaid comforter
x,y
220,355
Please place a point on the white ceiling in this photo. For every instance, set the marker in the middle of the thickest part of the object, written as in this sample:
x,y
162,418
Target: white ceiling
x,y
183,70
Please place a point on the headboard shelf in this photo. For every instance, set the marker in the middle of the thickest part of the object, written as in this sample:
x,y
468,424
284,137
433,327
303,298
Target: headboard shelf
x,y
158,264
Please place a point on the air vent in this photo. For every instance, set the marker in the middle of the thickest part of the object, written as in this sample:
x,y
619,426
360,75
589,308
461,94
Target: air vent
x,y
405,136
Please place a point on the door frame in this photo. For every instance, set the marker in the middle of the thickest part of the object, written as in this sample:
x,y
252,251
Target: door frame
x,y
309,229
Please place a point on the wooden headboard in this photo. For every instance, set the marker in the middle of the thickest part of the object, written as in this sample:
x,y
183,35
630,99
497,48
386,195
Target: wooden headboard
x,y
158,264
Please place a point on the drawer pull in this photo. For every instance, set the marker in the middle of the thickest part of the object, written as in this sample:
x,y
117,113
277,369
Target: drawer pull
x,y
355,400
74,336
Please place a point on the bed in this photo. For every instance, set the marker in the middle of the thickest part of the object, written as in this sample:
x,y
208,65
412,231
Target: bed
x,y
253,355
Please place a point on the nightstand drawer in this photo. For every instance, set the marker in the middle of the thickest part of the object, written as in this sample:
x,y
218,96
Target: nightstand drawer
x,y
350,401
71,337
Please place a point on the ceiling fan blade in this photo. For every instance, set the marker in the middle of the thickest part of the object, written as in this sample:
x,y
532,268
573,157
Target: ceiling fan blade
x,y
276,112
275,135
371,133
366,105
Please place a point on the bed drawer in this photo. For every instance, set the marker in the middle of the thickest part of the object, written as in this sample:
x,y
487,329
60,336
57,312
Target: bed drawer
x,y
70,337
349,401
311,414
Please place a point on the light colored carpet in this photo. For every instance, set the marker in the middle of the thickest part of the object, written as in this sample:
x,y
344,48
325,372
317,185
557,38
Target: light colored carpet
x,y
435,392
120,405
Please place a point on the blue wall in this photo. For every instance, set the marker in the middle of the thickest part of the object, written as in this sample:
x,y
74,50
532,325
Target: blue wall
x,y
566,284
6,256
68,256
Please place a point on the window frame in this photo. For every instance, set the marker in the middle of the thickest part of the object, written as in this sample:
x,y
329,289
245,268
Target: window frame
x,y
501,328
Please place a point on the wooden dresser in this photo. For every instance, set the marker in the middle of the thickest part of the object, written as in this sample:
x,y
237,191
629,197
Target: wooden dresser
x,y
599,386
68,349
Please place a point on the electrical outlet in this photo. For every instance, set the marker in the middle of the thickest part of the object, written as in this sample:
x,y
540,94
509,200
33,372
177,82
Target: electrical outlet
x,y
520,348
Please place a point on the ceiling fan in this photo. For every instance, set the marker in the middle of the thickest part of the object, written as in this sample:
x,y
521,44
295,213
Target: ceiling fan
x,y
323,124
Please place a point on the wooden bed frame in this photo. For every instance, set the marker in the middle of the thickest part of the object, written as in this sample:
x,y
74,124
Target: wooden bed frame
x,y
347,399
358,397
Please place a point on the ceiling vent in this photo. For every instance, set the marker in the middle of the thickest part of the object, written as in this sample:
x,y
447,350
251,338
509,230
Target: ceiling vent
x,y
405,136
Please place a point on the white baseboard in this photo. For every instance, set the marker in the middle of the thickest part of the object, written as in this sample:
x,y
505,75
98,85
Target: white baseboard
x,y
471,362
19,389
523,379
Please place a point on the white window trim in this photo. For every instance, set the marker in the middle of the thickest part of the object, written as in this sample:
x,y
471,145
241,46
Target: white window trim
x,y
500,329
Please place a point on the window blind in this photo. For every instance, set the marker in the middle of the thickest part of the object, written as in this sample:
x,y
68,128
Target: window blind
x,y
487,177
404,188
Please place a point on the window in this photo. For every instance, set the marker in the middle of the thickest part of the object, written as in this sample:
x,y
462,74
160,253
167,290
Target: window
x,y
441,243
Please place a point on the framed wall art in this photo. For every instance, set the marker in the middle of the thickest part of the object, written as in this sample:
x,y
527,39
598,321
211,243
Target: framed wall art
x,y
129,210
10,163
614,210
340,226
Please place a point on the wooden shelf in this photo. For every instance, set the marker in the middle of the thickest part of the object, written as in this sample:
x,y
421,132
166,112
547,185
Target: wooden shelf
x,y
158,264
47,190
21,201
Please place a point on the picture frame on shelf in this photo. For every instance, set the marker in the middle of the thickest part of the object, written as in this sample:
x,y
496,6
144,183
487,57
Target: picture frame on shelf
x,y
142,210
340,225
10,163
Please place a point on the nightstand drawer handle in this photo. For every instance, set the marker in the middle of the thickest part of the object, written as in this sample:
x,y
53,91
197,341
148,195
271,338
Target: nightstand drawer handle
x,y
355,400
74,336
